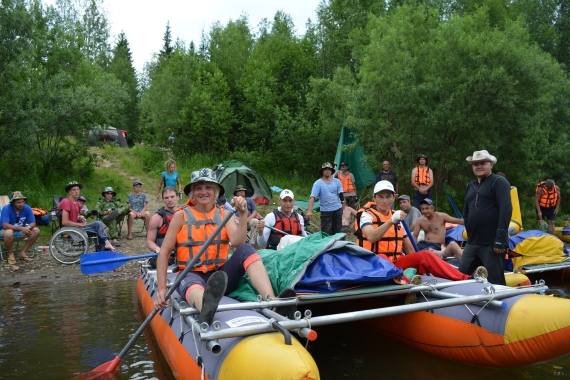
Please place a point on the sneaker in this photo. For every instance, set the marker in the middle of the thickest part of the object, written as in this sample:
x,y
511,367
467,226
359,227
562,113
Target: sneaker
x,y
287,311
480,273
215,289
114,213
412,297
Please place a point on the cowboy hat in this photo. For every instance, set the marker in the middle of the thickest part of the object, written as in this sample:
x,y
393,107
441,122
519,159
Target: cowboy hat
x,y
481,156
72,184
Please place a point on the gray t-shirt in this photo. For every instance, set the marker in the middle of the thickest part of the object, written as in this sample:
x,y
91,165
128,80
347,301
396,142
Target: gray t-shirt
x,y
137,201
412,216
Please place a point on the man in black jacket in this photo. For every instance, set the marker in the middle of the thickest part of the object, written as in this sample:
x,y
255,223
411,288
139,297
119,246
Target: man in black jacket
x,y
487,214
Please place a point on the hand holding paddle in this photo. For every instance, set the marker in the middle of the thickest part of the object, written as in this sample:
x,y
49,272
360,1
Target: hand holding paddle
x,y
113,365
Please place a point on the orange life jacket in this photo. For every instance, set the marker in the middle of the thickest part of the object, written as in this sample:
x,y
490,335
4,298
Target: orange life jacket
x,y
547,198
347,184
390,244
195,231
422,176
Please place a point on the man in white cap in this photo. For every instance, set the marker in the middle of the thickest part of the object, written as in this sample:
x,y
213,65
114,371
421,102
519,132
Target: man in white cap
x,y
379,230
283,219
487,214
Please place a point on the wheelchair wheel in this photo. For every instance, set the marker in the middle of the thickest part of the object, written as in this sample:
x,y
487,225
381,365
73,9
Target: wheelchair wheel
x,y
68,244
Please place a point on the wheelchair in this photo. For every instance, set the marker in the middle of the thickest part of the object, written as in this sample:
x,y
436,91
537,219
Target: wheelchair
x,y
67,244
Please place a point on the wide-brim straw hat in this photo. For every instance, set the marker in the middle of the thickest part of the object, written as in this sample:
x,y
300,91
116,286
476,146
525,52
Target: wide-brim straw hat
x,y
481,156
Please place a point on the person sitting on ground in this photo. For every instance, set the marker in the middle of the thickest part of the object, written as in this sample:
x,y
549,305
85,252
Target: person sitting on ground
x,y
169,177
282,218
252,215
330,192
111,211
215,275
380,231
70,207
137,202
18,221
346,178
547,202
433,223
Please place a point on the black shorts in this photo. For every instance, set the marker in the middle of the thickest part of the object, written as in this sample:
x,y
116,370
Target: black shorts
x,y
427,245
233,268
548,213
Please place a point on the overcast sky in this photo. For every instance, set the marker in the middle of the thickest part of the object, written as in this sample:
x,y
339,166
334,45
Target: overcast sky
x,y
144,21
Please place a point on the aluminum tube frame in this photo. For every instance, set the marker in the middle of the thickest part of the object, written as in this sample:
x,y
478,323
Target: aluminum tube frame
x,y
358,315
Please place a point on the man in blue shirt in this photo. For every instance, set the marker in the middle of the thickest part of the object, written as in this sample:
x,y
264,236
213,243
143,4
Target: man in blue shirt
x,y
252,215
329,190
18,221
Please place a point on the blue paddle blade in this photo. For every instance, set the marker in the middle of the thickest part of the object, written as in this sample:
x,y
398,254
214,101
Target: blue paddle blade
x,y
98,262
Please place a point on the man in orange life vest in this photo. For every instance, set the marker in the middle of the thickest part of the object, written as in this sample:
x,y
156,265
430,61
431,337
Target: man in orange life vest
x,y
215,275
422,181
547,201
346,178
283,218
382,233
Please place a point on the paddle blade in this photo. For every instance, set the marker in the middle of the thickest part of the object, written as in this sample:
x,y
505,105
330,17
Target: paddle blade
x,y
106,371
98,262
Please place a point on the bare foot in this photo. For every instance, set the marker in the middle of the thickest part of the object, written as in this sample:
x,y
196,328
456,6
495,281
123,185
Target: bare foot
x,y
109,246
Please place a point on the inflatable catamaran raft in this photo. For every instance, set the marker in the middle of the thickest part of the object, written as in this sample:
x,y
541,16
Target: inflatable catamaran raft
x,y
469,321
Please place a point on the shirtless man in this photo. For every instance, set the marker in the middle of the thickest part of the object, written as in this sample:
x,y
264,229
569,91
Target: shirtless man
x,y
433,223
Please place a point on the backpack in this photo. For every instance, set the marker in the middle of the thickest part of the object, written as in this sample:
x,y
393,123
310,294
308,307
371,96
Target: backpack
x,y
41,215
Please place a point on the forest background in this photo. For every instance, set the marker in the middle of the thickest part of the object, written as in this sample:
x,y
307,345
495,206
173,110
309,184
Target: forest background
x,y
437,77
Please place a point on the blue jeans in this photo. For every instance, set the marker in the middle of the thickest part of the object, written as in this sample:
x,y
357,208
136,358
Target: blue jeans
x,y
96,228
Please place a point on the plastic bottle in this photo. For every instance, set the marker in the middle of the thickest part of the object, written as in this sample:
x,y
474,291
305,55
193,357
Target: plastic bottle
x,y
42,248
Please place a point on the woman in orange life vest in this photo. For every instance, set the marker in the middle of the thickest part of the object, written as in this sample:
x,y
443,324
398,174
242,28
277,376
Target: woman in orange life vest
x,y
422,181
383,234
215,275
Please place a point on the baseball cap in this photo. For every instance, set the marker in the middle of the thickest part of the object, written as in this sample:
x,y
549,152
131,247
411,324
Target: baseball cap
x,y
383,185
137,182
286,193
82,198
427,200
406,197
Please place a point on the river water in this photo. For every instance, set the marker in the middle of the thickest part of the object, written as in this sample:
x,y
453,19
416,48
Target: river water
x,y
59,330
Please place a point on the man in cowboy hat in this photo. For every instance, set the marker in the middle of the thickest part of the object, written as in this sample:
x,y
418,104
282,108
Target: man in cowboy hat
x,y
487,214
422,181
18,221
70,208
330,192
216,274
111,211
252,215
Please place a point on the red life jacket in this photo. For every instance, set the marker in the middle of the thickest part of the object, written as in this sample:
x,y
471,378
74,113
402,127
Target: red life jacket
x,y
291,225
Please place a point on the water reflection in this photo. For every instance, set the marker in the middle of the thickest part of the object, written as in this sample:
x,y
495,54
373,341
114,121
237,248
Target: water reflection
x,y
56,331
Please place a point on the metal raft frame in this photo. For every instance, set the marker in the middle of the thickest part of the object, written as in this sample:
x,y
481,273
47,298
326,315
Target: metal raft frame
x,y
302,325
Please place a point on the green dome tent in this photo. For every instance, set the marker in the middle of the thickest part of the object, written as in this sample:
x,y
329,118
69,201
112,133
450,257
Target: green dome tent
x,y
233,173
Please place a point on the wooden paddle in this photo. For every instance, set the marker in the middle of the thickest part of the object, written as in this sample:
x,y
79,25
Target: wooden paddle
x,y
113,365
98,262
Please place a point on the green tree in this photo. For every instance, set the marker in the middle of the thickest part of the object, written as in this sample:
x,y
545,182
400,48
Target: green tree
x,y
167,48
96,33
121,67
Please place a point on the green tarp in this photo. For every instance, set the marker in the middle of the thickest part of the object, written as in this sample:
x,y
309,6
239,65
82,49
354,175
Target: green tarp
x,y
363,175
301,205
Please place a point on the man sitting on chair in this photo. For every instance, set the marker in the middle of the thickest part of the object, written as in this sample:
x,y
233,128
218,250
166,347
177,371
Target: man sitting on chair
x,y
18,221
70,208
138,203
111,211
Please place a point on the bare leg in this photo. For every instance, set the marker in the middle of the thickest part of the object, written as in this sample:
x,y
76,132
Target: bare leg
x,y
8,236
196,295
130,222
551,226
31,240
260,280
452,249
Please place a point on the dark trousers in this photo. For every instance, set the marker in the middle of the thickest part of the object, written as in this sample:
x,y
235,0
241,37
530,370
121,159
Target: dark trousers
x,y
331,221
418,197
476,255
